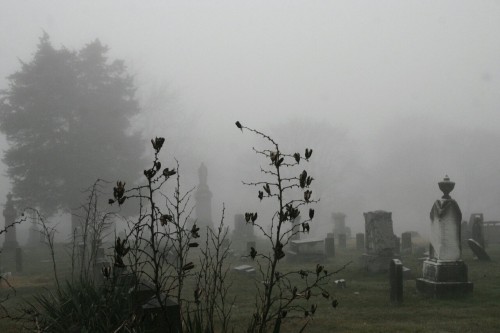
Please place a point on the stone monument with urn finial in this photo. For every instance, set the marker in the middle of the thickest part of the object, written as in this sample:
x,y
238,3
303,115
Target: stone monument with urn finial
x,y
444,272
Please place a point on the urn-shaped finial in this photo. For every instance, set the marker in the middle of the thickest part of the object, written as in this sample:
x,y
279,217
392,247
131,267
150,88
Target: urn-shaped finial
x,y
446,186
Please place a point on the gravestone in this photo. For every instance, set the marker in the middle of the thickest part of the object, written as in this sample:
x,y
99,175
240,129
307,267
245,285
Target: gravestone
x,y
477,229
478,250
296,228
406,244
242,233
10,215
339,225
244,269
341,283
330,245
342,241
157,321
306,250
249,247
465,233
396,281
35,236
203,198
444,272
360,241
397,245
379,241
491,232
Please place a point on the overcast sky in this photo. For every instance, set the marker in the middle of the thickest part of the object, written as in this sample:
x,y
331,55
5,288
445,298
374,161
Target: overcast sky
x,y
414,86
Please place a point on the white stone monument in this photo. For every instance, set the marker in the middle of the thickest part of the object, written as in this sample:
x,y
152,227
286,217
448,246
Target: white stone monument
x,y
444,272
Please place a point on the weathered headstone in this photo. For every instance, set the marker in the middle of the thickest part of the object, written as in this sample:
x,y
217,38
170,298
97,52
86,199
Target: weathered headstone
x,y
406,244
491,232
242,233
339,225
245,269
396,280
341,283
10,215
360,241
296,228
478,250
156,320
35,236
477,229
307,250
203,198
330,245
397,245
379,241
250,244
444,272
342,241
465,233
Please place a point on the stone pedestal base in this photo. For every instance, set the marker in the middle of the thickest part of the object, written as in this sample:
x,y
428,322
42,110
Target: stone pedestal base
x,y
377,263
443,279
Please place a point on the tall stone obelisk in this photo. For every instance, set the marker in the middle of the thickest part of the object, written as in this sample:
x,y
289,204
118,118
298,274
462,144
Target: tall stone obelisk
x,y
444,272
203,198
10,215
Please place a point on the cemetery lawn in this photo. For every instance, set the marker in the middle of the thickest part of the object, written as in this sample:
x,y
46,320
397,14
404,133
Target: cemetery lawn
x,y
363,306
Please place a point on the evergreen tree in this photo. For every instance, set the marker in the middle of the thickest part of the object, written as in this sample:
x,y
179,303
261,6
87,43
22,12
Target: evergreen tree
x,y
67,116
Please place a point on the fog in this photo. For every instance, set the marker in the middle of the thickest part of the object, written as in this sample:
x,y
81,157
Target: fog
x,y
391,95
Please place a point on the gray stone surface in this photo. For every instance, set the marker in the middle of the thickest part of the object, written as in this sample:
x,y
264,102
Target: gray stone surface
x,y
10,215
360,241
342,241
446,220
339,223
250,244
203,198
307,250
397,245
478,250
406,243
396,281
243,232
157,321
330,245
379,235
477,229
444,274
245,269
379,241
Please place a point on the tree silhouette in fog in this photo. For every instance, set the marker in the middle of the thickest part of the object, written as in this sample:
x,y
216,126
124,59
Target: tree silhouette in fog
x,y
66,115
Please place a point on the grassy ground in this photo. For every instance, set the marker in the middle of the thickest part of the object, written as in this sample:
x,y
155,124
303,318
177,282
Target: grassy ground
x,y
364,305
